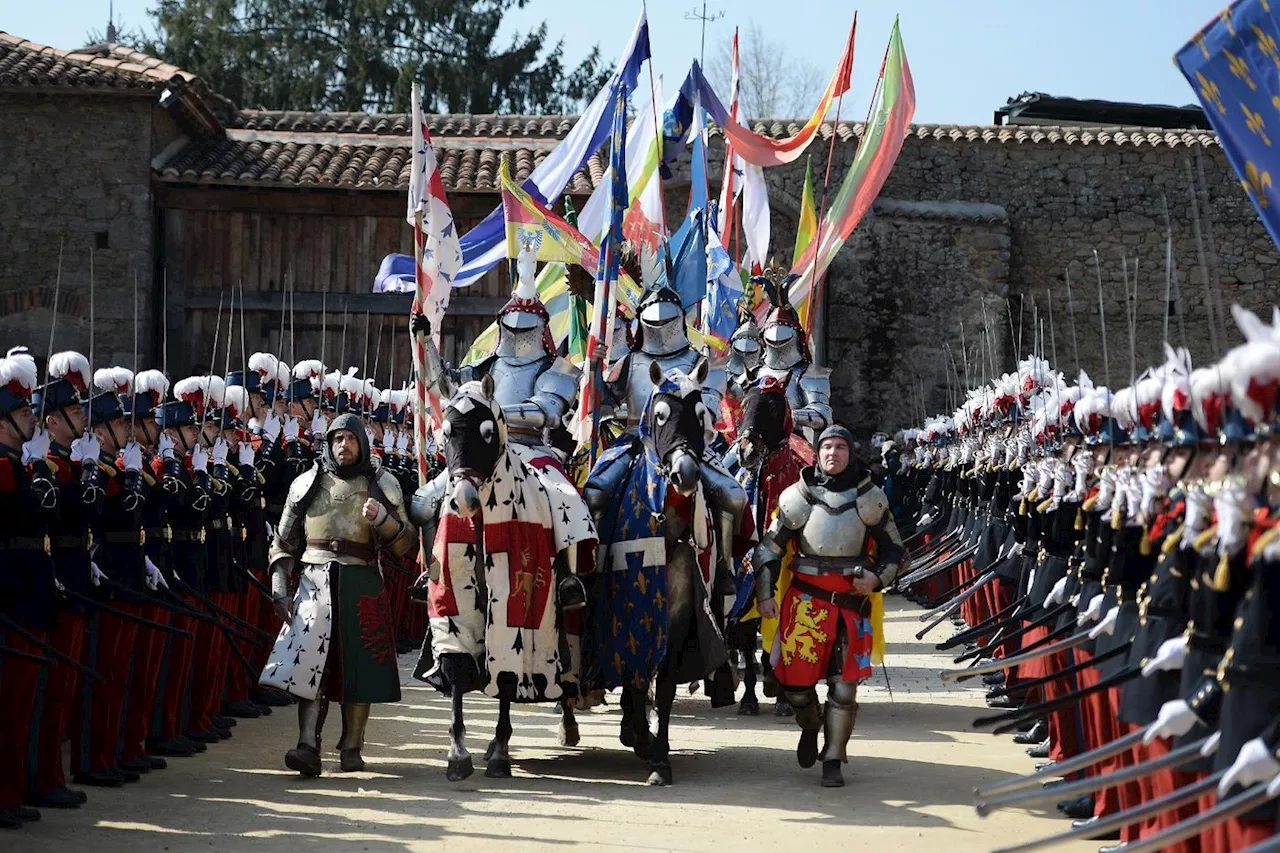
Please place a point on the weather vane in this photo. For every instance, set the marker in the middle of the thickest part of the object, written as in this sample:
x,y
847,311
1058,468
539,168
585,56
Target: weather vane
x,y
695,15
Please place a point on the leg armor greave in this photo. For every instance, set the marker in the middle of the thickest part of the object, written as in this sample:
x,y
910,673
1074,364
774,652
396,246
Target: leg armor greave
x,y
841,715
805,702
355,718
311,714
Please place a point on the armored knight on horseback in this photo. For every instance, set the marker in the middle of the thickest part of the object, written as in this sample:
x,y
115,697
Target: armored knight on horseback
x,y
846,547
787,356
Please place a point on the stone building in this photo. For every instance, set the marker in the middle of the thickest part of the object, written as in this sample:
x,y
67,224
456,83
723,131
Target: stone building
x,y
107,152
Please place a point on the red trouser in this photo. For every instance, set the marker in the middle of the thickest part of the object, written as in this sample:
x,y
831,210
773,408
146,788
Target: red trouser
x,y
148,655
209,676
1161,784
1064,724
61,694
236,684
20,686
95,733
172,708
1106,728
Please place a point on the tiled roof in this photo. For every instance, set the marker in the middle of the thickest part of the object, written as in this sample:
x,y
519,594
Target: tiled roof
x,y
363,163
371,151
113,67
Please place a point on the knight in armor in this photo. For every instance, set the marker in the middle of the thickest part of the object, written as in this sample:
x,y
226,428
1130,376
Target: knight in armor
x,y
535,388
846,548
746,353
337,641
787,356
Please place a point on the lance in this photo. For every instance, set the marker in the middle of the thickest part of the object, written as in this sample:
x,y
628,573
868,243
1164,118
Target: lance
x,y
6,651
1097,827
1173,758
955,604
53,325
53,653
103,607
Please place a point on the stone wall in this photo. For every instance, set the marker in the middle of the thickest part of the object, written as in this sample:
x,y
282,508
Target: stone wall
x,y
900,284
75,169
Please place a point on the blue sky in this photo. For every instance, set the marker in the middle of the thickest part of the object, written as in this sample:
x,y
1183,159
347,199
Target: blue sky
x,y
967,56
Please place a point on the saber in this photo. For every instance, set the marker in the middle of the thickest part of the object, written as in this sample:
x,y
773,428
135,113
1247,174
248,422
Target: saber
x,y
1030,712
1246,801
178,605
1044,619
1096,827
1063,673
955,604
996,666
133,418
992,623
1083,761
1174,758
945,599
949,562
6,651
103,607
217,610
53,325
49,650
213,358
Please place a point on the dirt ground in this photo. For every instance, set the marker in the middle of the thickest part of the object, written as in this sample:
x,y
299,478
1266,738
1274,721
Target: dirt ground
x,y
914,763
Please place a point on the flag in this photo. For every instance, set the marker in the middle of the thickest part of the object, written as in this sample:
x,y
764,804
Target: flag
x,y
586,422
808,216
723,289
529,223
1232,65
731,185
887,121
755,214
482,246
437,259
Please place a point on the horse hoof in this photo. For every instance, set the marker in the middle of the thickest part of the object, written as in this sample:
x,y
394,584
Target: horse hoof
x,y
661,776
459,769
749,707
498,768
489,750
569,735
643,748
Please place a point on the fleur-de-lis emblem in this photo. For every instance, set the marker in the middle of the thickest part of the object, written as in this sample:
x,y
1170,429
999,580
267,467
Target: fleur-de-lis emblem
x,y
1256,124
1210,92
1267,44
1257,183
1275,102
1240,68
1204,48
1225,16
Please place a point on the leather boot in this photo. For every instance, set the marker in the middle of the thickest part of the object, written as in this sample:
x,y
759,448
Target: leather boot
x,y
1035,734
355,718
1040,750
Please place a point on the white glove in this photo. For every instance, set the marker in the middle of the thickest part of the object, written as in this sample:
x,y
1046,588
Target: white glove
x,y
1153,487
271,426
368,433
925,520
1106,489
291,429
165,446
154,580
1169,657
245,453
1196,518
95,574
86,448
1107,625
1057,594
1254,763
220,450
1092,612
132,455
319,424
1016,549
1233,518
1082,465
36,448
200,459
1175,719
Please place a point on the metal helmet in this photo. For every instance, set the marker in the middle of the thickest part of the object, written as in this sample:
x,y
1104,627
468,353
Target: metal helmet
x,y
786,346
524,332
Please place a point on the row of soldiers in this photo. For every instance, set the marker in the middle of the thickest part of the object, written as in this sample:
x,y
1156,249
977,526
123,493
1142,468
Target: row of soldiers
x,y
135,518
1116,557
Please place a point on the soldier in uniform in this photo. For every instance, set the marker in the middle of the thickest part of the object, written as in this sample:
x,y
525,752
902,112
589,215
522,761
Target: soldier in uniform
x,y
847,547
337,642
787,356
28,497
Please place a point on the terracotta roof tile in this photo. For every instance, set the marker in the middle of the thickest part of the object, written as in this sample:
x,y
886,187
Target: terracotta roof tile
x,y
27,63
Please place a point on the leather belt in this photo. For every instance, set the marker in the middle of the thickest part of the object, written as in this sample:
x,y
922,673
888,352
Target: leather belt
x,y
164,533
125,537
28,543
805,565
67,542
844,600
346,547
189,535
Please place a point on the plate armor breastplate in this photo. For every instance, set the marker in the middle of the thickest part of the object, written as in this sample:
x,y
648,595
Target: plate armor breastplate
x,y
514,380
638,386
335,512
834,528
795,397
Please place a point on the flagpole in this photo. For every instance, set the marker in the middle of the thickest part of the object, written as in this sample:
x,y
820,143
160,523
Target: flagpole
x,y
815,299
657,129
